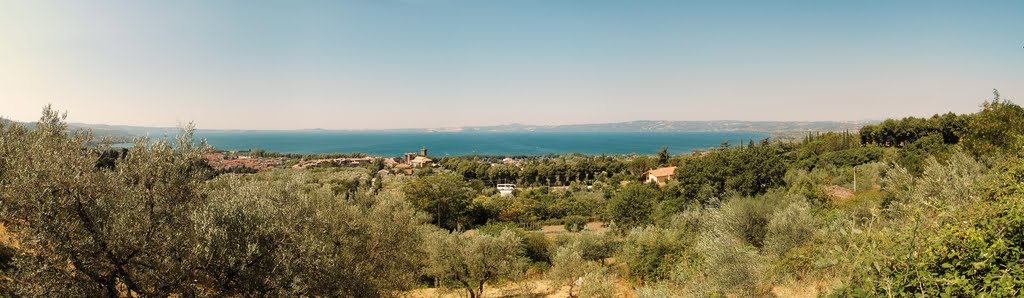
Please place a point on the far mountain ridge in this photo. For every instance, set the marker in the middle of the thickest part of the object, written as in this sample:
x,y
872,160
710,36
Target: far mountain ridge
x,y
675,126
771,127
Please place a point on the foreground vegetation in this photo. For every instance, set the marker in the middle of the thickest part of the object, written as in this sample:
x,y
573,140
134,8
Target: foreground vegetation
x,y
910,207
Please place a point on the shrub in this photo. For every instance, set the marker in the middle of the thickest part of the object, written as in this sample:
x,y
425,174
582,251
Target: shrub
x,y
956,181
591,246
568,268
747,219
789,228
803,183
589,204
651,253
575,223
730,262
598,283
980,255
538,247
535,246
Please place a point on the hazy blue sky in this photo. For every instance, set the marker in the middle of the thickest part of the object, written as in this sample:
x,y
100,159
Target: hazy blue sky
x,y
434,63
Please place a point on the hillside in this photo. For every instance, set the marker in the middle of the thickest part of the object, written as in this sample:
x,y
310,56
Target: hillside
x,y
679,126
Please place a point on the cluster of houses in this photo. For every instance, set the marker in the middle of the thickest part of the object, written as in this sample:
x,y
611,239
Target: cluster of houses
x,y
411,160
338,162
224,161
512,162
399,166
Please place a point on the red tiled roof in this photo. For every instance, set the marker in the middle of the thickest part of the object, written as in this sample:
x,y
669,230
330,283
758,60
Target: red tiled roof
x,y
663,172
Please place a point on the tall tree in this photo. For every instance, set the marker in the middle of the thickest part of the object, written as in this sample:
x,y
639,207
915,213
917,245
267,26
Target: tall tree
x,y
996,128
446,197
663,156
632,206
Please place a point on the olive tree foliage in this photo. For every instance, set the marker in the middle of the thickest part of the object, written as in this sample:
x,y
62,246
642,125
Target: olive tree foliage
x,y
590,245
790,227
284,238
954,182
473,261
154,225
731,260
98,232
568,268
599,283
579,263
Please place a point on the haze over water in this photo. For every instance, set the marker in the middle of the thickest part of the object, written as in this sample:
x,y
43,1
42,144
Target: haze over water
x,y
467,143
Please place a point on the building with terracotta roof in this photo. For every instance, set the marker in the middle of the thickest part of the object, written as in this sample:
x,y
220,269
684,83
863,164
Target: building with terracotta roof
x,y
659,175
421,161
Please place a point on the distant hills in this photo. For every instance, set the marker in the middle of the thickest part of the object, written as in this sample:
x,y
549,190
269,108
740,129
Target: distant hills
x,y
124,130
778,128
770,127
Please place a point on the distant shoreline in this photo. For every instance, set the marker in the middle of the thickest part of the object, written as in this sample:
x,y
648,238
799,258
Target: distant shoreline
x,y
477,143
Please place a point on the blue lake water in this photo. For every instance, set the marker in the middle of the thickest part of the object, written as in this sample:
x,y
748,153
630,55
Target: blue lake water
x,y
465,143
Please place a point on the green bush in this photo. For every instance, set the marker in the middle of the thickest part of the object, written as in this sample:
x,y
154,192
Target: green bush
x,y
730,263
747,219
538,247
980,255
591,246
633,205
535,246
790,227
651,253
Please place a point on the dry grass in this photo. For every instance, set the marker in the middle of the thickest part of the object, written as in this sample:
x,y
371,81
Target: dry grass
x,y
529,288
838,193
7,238
554,230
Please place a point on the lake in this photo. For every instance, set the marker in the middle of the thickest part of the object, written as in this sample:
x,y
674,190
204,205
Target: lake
x,y
466,143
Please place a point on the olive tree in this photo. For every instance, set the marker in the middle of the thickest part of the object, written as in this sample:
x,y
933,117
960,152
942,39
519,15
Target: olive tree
x,y
154,224
570,268
472,261
284,238
94,231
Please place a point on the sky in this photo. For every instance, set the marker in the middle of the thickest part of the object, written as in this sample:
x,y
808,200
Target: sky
x,y
443,63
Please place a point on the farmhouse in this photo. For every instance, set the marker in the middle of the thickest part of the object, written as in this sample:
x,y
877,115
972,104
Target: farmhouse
x,y
659,175
421,161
